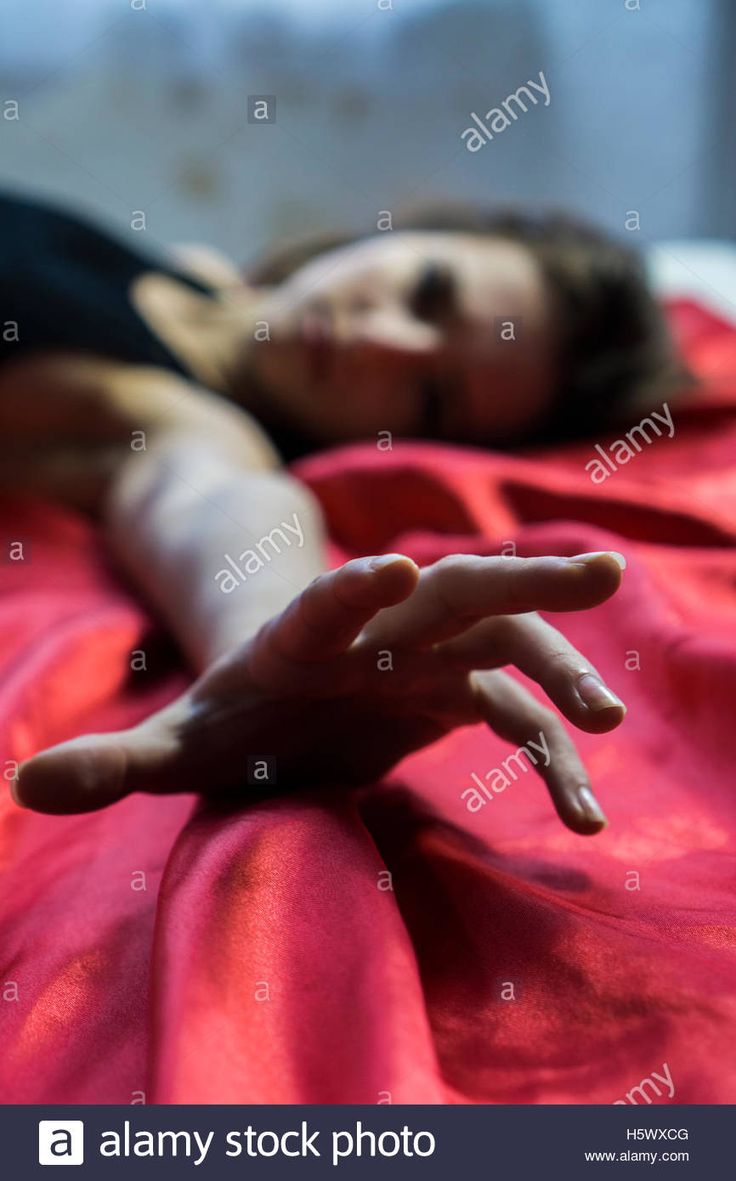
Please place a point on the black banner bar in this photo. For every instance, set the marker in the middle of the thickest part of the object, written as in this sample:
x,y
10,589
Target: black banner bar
x,y
509,1143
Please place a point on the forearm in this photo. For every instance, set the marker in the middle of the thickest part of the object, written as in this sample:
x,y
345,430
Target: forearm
x,y
217,548
205,486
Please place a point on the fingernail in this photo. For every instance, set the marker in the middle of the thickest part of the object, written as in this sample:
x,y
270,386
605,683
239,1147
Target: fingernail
x,y
590,807
14,793
618,558
384,560
596,695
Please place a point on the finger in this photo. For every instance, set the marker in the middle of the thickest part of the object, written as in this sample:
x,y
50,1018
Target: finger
x,y
324,619
458,591
90,772
541,652
513,714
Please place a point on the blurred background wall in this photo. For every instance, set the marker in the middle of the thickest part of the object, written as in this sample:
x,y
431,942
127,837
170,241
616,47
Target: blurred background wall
x,y
122,106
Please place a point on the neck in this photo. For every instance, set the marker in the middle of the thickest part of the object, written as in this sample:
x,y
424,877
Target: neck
x,y
226,334
210,333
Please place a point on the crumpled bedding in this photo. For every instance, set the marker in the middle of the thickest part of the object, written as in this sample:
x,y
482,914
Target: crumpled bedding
x,y
388,944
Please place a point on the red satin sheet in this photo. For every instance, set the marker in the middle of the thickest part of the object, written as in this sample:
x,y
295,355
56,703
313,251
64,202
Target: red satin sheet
x,y
265,960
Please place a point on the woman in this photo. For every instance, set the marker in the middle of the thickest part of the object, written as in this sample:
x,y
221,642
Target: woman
x,y
162,400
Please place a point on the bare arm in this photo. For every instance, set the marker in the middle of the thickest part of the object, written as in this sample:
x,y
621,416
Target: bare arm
x,y
216,542
205,487
181,479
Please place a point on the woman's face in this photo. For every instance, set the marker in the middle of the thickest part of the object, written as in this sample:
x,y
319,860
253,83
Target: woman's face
x,y
440,335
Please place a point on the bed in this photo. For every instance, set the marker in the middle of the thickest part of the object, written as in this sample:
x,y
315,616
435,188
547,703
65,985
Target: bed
x,y
387,945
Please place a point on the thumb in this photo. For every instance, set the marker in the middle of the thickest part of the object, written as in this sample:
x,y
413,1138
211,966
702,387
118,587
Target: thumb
x,y
95,770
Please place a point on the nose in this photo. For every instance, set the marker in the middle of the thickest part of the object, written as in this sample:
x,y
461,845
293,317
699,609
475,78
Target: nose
x,y
391,330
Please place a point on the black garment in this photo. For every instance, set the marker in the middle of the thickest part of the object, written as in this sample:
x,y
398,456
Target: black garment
x,y
66,284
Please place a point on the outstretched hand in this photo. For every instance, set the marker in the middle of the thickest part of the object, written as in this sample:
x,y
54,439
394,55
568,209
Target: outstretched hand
x,y
372,661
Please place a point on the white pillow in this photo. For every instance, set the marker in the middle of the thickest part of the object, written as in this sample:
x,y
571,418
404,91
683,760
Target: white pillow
x,y
701,270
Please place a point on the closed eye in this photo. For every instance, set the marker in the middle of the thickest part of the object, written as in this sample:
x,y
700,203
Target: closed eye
x,y
434,294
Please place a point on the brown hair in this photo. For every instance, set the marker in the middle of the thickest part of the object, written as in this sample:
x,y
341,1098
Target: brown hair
x,y
616,355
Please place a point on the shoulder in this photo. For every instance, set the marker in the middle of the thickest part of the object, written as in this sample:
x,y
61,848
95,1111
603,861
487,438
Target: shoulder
x,y
94,399
207,265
